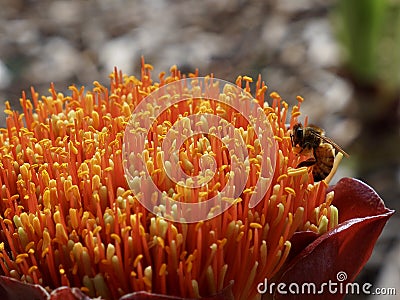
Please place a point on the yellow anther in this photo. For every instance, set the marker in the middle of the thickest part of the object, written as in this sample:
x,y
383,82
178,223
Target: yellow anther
x,y
289,190
255,225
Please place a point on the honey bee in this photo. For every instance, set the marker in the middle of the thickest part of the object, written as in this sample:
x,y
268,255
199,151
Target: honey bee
x,y
311,140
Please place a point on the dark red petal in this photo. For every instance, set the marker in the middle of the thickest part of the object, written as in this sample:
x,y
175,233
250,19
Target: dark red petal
x,y
344,249
11,289
299,241
355,199
66,293
225,294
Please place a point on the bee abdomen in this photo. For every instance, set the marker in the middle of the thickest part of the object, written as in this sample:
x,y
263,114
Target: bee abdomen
x,y
324,156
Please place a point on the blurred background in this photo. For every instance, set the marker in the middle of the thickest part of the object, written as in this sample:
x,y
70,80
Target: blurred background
x,y
342,56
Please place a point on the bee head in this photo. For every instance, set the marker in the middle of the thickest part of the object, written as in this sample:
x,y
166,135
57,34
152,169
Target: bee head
x,y
298,134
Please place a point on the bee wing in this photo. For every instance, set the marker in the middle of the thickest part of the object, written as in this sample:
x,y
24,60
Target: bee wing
x,y
330,141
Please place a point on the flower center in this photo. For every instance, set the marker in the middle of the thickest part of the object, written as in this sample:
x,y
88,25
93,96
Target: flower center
x,y
69,218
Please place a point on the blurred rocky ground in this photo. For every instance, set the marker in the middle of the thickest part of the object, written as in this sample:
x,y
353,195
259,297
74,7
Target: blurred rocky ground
x,y
292,44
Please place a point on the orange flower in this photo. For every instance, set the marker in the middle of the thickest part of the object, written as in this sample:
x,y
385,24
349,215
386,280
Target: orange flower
x,y
69,217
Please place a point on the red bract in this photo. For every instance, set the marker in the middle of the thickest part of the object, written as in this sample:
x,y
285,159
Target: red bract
x,y
11,289
346,248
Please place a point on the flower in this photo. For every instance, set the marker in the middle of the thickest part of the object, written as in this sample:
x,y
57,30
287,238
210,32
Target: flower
x,y
72,227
